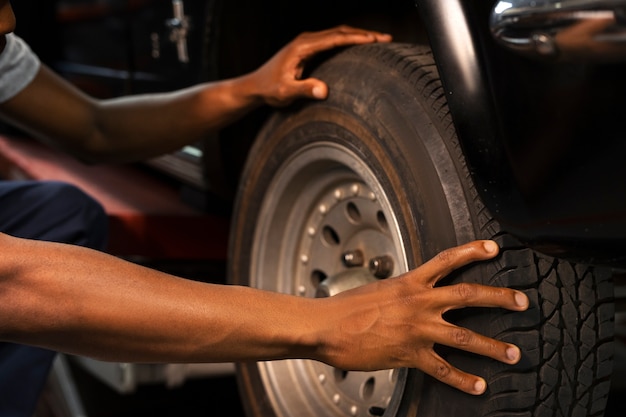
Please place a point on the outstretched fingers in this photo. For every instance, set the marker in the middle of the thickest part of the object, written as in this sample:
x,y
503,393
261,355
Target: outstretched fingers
x,y
454,258
443,299
435,366
279,81
467,294
467,340
315,42
309,44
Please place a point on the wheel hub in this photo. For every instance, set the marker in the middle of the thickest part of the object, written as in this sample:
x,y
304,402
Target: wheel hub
x,y
343,281
328,228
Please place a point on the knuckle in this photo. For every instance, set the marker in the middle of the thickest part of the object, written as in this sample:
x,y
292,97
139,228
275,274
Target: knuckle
x,y
461,336
442,371
295,48
283,92
465,291
444,257
463,382
304,35
494,349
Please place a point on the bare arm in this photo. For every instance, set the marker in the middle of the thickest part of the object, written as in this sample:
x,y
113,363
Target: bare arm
x,y
80,301
137,127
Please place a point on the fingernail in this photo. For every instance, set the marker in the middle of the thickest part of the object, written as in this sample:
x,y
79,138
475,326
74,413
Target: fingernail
x,y
521,299
490,246
513,353
480,386
318,92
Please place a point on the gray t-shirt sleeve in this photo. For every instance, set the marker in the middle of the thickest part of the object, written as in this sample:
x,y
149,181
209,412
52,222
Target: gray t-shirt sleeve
x,y
18,67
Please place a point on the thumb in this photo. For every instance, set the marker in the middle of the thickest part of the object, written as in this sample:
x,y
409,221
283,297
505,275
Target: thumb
x,y
313,88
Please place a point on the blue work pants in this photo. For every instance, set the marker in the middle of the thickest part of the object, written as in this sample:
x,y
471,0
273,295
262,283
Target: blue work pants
x,y
51,211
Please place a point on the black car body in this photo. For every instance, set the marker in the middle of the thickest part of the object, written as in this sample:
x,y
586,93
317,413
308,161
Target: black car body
x,y
541,128
542,131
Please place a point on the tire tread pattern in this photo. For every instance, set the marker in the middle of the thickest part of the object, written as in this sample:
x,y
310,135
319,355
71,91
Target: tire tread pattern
x,y
566,334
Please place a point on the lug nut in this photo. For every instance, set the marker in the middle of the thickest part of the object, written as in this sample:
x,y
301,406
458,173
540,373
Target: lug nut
x,y
381,266
352,258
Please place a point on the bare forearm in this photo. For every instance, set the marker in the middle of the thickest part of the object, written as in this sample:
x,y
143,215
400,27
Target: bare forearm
x,y
128,128
80,301
137,127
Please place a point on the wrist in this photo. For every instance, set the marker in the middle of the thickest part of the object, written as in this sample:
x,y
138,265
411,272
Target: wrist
x,y
323,340
246,90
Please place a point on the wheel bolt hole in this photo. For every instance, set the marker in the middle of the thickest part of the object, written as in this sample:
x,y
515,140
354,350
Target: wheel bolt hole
x,y
382,220
330,236
317,277
367,389
353,213
376,411
340,375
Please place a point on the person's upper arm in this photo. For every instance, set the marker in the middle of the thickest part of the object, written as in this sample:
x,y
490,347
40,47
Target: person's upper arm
x,y
18,67
35,99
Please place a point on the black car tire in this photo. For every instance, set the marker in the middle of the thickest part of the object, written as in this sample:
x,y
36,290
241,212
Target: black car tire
x,y
386,128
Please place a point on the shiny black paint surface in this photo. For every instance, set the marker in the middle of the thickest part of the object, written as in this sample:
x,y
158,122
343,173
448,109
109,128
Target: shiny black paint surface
x,y
546,141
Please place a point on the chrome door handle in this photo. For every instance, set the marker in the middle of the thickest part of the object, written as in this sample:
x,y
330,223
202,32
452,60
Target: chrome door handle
x,y
572,30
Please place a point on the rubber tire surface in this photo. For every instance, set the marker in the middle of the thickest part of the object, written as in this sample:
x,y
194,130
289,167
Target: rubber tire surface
x,y
387,105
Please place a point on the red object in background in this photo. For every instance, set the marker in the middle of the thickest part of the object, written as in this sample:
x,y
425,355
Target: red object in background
x,y
146,217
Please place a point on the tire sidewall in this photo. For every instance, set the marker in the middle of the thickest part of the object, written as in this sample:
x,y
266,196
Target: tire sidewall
x,y
389,128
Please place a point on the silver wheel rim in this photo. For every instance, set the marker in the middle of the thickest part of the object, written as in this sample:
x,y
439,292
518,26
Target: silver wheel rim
x,y
323,204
